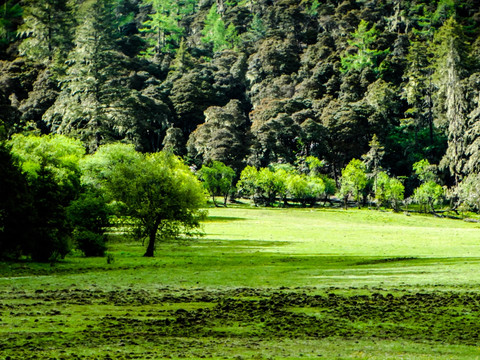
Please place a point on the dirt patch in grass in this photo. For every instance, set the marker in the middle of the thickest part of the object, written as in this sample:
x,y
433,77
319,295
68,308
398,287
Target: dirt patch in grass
x,y
131,323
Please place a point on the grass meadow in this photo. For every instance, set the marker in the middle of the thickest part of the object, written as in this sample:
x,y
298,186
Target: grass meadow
x,y
261,284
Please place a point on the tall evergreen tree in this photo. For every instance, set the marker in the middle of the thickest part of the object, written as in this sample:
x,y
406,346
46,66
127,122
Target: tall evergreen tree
x,y
451,54
216,33
418,89
93,103
363,41
162,28
47,28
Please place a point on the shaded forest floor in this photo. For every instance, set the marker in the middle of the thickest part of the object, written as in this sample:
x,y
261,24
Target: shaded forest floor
x,y
393,287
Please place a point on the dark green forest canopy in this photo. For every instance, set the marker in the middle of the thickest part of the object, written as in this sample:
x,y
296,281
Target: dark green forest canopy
x,y
273,80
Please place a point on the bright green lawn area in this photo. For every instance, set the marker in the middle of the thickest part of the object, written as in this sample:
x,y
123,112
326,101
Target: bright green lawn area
x,y
261,283
286,247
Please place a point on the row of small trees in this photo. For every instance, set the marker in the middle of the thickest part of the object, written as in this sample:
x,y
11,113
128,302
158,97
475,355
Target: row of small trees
x,y
54,197
306,185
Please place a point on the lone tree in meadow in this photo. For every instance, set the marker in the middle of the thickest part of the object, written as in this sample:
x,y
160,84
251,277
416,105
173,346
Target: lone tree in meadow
x,y
157,191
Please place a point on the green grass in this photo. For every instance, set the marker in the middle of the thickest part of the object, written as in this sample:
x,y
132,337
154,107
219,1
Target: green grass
x,y
262,283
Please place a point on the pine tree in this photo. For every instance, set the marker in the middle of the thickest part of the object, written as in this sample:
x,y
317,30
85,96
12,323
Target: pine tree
x,y
92,103
451,54
418,89
47,28
216,33
162,28
365,56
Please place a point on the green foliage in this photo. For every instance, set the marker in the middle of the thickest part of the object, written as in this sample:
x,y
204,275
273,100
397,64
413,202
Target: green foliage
x,y
425,171
89,215
157,191
222,137
216,33
263,185
47,29
468,193
314,165
217,179
353,181
51,230
9,12
257,29
363,41
428,195
451,51
56,154
445,10
163,27
93,105
51,166
305,189
389,191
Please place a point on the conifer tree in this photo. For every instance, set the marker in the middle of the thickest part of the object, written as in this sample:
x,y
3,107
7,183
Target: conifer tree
x,y
365,56
92,103
162,27
451,54
418,89
47,28
216,33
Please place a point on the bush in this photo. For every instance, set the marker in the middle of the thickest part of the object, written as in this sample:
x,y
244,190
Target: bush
x,y
91,243
89,215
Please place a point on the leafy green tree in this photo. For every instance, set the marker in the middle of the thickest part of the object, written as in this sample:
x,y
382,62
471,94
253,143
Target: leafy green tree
x,y
56,154
162,27
217,179
429,193
314,165
51,166
275,134
262,185
48,28
256,30
157,191
373,158
174,141
248,184
353,181
389,191
89,216
363,41
305,189
425,171
223,137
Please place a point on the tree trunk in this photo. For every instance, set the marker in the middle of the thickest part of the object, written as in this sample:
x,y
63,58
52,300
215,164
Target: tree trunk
x,y
152,235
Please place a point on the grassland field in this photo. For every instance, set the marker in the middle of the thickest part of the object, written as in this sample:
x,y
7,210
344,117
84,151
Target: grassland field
x,y
261,284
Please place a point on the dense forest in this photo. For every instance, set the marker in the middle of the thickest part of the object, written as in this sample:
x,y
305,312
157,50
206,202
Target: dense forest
x,y
250,82
256,83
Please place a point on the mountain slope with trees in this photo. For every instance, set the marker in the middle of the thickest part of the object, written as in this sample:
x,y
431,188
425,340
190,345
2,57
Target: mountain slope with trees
x,y
250,82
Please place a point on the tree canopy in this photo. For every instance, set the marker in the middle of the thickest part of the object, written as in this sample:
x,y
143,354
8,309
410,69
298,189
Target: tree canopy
x,y
157,190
